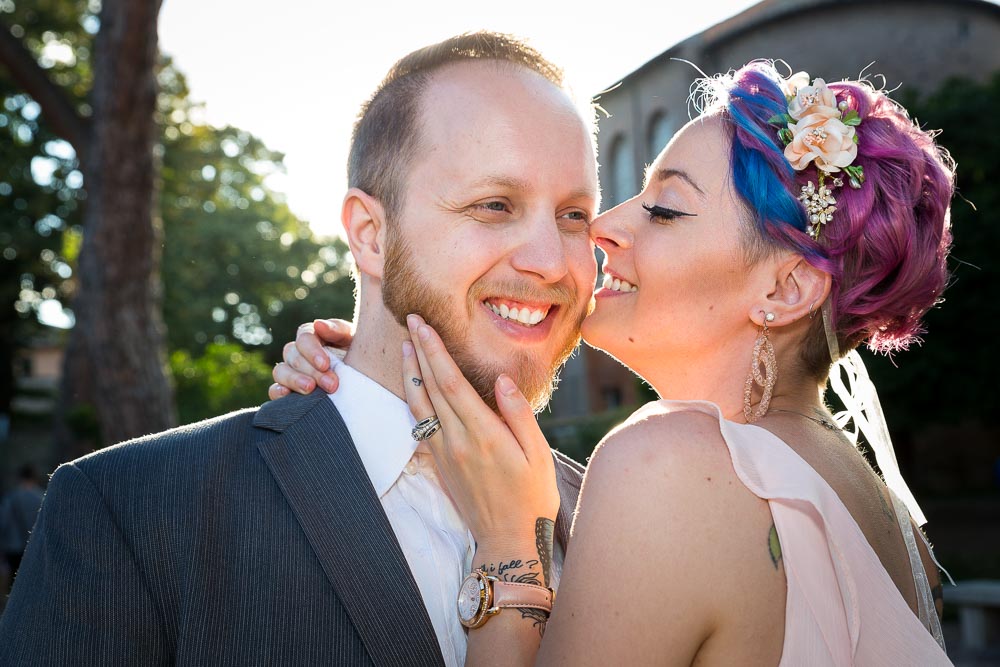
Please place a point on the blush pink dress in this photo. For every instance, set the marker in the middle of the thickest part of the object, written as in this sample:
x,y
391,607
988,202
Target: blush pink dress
x,y
842,607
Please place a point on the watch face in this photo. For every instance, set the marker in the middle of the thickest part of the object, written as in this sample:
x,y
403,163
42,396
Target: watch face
x,y
468,598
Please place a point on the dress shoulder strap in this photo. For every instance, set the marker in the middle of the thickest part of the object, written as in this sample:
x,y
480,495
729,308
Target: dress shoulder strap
x,y
925,599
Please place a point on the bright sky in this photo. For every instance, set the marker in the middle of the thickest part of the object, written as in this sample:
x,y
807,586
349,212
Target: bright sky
x,y
295,72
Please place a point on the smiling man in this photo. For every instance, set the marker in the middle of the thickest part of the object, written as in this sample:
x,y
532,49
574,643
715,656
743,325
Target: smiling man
x,y
314,530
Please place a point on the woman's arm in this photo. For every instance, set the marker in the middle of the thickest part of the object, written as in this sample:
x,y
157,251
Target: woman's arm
x,y
636,587
668,552
500,472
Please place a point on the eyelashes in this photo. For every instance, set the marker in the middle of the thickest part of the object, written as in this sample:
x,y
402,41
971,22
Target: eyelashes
x,y
665,214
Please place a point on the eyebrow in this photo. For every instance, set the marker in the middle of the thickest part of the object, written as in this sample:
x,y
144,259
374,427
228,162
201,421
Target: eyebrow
x,y
663,174
519,185
504,182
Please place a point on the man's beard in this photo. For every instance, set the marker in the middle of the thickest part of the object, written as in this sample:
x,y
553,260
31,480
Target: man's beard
x,y
404,292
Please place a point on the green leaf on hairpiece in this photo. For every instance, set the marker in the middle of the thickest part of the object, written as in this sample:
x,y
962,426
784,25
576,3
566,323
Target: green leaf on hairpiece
x,y
780,120
851,118
785,135
856,175
855,137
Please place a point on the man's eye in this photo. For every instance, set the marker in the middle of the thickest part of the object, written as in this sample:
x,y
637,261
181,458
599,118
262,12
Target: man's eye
x,y
493,206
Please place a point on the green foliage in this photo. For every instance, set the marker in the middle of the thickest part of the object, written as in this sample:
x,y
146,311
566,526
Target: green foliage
x,y
238,267
224,378
35,211
237,264
949,378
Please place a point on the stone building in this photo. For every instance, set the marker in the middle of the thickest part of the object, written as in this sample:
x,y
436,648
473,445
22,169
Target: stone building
x,y
914,44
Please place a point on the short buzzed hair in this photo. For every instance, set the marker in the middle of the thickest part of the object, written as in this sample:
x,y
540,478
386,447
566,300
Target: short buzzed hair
x,y
386,135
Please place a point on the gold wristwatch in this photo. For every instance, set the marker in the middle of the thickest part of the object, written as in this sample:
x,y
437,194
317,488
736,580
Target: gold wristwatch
x,y
482,596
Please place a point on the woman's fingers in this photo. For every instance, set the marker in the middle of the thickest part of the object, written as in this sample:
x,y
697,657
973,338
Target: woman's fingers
x,y
520,418
439,403
276,391
288,377
338,333
309,347
306,372
413,385
442,374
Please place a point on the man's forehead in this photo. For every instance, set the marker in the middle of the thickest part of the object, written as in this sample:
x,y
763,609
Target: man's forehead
x,y
495,83
500,126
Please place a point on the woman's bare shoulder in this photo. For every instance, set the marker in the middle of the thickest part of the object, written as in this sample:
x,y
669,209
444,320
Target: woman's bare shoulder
x,y
657,443
668,470
661,510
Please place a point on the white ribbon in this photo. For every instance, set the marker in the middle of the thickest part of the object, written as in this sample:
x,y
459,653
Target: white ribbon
x,y
864,410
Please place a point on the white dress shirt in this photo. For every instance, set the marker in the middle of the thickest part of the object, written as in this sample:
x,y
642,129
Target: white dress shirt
x,y
434,538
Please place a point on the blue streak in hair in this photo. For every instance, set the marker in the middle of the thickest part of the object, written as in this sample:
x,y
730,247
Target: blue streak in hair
x,y
763,180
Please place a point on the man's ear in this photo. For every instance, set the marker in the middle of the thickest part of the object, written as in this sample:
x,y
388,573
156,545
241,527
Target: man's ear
x,y
798,290
364,223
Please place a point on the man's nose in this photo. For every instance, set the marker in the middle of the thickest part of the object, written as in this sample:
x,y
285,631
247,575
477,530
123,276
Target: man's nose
x,y
542,251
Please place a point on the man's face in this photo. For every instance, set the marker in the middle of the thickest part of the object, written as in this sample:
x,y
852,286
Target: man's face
x,y
492,245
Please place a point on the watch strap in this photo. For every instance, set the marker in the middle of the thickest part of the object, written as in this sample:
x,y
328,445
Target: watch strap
x,y
528,596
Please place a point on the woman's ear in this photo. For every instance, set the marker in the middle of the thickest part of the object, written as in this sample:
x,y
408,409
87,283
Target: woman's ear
x,y
799,289
364,223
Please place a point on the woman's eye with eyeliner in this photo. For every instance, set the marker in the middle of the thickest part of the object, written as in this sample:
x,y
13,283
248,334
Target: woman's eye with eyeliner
x,y
664,214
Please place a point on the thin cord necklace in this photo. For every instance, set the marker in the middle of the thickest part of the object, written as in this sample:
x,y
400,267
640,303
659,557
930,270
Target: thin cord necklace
x,y
825,423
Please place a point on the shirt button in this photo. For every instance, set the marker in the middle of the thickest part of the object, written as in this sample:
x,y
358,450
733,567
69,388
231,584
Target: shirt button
x,y
410,468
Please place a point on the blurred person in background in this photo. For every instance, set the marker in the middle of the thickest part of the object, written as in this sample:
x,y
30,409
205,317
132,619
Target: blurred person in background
x,y
18,511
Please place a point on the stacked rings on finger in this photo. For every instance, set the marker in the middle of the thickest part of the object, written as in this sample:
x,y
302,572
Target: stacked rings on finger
x,y
425,428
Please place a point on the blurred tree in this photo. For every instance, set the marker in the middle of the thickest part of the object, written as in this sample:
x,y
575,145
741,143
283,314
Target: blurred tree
x,y
223,378
118,328
45,49
237,262
238,266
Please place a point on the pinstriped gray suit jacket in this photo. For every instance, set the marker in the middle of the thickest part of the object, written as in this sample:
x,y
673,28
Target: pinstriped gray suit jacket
x,y
251,539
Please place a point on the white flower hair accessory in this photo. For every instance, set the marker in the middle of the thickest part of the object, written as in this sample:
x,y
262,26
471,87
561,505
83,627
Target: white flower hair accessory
x,y
817,130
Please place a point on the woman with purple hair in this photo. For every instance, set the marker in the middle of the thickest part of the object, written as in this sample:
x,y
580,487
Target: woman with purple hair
x,y
733,521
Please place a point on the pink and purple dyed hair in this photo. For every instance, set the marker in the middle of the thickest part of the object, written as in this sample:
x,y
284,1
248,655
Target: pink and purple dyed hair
x,y
887,244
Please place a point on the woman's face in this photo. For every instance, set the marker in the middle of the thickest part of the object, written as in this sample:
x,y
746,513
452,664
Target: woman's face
x,y
677,246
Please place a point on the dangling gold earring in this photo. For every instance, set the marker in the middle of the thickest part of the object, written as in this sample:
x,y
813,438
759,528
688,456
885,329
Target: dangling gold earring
x,y
763,353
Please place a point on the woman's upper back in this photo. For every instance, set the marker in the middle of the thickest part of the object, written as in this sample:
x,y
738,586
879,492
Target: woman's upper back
x,y
841,606
851,596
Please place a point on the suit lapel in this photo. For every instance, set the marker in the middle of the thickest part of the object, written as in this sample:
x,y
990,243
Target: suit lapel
x,y
321,475
569,476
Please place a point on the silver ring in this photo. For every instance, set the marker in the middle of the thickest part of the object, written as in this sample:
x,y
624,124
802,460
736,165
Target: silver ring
x,y
425,428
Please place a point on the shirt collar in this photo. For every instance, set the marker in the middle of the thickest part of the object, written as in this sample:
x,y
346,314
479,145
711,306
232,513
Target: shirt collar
x,y
379,422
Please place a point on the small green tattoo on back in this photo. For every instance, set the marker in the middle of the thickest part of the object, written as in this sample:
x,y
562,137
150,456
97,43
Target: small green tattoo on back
x,y
774,546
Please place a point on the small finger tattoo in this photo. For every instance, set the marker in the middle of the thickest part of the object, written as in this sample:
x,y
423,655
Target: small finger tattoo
x,y
417,381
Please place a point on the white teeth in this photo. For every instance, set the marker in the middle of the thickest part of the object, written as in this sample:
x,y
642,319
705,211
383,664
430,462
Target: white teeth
x,y
617,284
524,316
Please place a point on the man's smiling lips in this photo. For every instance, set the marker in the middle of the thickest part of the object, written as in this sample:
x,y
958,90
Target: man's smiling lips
x,y
527,322
516,311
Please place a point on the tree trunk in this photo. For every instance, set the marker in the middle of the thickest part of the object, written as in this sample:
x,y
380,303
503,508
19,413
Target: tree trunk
x,y
117,304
